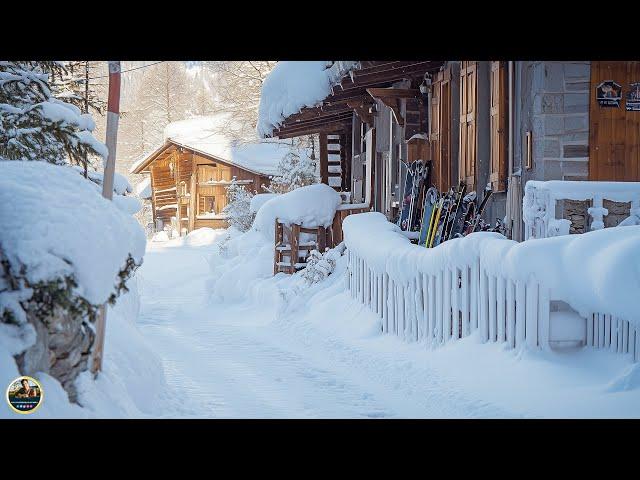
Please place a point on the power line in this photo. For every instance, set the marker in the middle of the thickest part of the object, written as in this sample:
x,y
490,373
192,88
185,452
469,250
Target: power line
x,y
124,71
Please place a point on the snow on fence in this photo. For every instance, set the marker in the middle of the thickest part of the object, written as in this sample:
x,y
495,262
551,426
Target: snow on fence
x,y
539,204
504,289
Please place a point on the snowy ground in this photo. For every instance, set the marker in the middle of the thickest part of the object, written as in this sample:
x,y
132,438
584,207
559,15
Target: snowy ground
x,y
329,360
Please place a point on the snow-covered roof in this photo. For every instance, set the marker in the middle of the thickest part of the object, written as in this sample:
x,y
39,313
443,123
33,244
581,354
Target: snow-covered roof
x,y
294,85
213,136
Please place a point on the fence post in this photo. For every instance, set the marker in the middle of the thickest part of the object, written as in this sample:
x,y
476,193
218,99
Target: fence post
x,y
543,317
492,280
501,288
464,296
446,319
483,307
439,322
511,313
531,317
455,307
520,317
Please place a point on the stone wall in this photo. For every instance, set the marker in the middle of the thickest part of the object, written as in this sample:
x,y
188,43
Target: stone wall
x,y
560,112
62,348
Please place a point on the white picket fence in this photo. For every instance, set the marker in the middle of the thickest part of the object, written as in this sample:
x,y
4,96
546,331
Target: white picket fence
x,y
453,301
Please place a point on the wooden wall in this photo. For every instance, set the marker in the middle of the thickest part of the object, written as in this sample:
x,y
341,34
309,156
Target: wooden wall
x,y
178,173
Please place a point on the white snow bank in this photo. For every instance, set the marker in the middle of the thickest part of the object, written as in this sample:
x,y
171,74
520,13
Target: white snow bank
x,y
593,272
293,85
55,223
260,199
143,189
129,205
310,206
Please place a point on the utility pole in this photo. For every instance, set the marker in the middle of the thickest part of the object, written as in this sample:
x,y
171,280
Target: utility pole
x,y
113,115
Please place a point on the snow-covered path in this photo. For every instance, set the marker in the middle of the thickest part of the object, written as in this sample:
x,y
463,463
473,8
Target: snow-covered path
x,y
237,361
329,359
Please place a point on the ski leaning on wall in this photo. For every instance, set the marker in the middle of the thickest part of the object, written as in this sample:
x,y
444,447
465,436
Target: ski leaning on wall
x,y
418,175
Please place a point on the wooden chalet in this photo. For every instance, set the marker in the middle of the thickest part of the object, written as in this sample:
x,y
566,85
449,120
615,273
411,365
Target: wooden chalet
x,y
494,124
188,185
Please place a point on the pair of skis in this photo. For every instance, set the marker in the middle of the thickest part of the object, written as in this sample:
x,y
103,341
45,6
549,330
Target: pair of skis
x,y
440,216
452,215
418,174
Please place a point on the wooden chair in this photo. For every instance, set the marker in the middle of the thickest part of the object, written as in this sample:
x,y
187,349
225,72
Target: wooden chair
x,y
287,241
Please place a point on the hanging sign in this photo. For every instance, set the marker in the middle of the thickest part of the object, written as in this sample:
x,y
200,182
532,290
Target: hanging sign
x,y
609,94
633,98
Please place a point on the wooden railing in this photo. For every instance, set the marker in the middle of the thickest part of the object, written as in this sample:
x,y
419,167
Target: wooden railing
x,y
447,296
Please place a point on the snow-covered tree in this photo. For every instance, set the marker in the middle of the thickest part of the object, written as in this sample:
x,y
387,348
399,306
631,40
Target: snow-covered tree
x,y
34,125
238,209
294,171
82,84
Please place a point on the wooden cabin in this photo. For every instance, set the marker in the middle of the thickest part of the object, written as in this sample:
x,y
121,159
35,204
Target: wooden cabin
x,y
188,185
495,124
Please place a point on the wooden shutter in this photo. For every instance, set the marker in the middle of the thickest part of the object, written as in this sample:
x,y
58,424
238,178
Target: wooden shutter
x,y
440,134
468,113
614,133
498,177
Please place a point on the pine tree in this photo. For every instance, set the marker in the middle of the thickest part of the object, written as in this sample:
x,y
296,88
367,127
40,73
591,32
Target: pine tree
x,y
294,171
34,124
238,209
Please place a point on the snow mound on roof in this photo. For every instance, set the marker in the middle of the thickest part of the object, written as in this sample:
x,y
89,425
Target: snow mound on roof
x,y
215,135
310,206
294,85
56,223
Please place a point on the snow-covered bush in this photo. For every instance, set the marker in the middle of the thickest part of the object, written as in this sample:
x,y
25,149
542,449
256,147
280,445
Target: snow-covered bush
x,y
65,250
320,265
238,208
294,171
34,125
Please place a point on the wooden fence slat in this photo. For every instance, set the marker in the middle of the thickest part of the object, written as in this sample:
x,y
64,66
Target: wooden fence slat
x,y
501,291
520,313
439,314
590,330
446,319
511,313
492,280
473,305
464,296
432,308
455,305
425,306
543,317
531,316
483,307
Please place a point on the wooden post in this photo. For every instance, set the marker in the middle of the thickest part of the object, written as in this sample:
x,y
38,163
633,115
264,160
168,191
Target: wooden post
x,y
324,160
295,237
193,193
113,115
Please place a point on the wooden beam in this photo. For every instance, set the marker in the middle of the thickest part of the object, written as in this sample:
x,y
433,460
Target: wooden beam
x,y
193,192
362,109
391,98
324,159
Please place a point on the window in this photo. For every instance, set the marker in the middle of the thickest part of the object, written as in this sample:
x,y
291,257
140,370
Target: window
x,y
207,204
